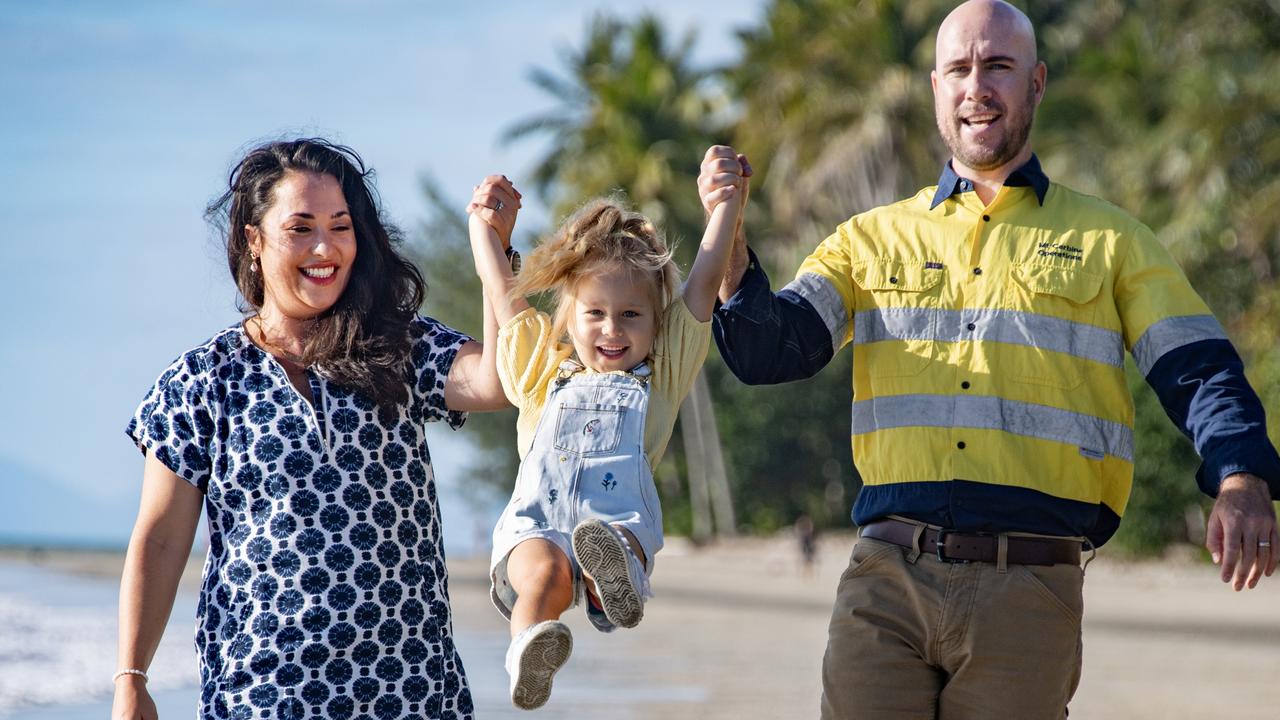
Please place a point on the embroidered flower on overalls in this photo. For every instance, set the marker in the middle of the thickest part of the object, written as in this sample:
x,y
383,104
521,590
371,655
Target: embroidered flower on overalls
x,y
609,483
551,496
591,426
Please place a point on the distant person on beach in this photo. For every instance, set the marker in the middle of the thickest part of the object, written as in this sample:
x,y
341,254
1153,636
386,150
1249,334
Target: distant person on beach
x,y
807,539
598,385
989,316
300,431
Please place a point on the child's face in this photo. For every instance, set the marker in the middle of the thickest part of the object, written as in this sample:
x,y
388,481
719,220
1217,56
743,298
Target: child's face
x,y
612,320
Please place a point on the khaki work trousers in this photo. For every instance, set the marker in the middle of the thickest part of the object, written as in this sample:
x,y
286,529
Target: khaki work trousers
x,y
916,638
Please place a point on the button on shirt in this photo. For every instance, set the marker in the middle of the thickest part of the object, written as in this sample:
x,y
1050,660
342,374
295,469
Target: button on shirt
x,y
989,347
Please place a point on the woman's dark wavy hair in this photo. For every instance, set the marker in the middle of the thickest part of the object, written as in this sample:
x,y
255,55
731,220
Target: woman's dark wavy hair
x,y
362,342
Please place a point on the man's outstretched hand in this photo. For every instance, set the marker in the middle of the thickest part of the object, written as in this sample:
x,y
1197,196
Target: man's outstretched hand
x,y
1242,531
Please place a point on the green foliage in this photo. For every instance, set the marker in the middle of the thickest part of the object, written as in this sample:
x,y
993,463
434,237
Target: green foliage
x,y
634,115
834,114
789,445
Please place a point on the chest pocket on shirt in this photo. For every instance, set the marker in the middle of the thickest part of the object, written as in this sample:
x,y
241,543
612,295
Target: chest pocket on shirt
x,y
1054,328
589,429
896,326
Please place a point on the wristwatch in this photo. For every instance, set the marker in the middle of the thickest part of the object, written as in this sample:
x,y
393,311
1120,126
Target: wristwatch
x,y
514,258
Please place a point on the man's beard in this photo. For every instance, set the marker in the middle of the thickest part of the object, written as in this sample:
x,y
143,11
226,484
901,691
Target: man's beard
x,y
978,157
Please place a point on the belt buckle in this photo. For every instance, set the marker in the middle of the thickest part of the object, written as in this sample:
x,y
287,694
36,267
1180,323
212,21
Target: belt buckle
x,y
939,549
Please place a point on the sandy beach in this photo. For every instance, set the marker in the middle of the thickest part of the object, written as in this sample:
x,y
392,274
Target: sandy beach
x,y
737,630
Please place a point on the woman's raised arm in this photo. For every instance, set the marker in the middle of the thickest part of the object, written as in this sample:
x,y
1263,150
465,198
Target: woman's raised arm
x,y
473,381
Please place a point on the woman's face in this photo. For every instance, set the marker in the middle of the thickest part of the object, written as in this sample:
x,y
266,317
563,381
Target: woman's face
x,y
306,246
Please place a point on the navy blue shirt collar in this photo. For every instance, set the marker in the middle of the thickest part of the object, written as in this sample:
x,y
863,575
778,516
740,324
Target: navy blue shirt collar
x,y
1029,175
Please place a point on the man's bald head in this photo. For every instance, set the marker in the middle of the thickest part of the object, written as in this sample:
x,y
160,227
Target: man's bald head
x,y
990,19
987,83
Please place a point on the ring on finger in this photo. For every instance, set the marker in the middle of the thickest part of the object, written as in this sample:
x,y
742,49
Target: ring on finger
x,y
499,206
1264,543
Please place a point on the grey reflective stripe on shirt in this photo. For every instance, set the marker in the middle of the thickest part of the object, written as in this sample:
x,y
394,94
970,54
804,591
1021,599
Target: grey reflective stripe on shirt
x,y
1171,334
993,413
826,299
1088,342
894,324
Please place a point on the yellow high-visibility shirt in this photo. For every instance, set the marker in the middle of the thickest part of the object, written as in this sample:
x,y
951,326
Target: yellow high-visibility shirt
x,y
989,342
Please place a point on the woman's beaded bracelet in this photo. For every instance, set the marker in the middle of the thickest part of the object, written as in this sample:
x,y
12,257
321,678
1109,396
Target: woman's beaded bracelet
x,y
129,671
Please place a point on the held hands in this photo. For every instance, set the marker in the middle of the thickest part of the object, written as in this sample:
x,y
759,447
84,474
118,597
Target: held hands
x,y
723,189
496,201
724,168
723,171
1242,533
492,211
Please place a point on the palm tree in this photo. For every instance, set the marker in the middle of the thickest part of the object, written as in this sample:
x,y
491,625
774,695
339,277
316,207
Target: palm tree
x,y
837,113
634,114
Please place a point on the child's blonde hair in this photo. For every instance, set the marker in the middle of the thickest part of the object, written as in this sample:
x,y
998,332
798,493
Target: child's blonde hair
x,y
602,235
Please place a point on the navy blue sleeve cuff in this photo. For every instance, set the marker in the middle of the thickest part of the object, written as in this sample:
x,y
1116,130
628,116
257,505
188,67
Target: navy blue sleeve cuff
x,y
1256,456
753,300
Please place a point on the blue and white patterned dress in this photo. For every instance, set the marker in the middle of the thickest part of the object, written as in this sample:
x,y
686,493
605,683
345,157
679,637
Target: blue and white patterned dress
x,y
325,591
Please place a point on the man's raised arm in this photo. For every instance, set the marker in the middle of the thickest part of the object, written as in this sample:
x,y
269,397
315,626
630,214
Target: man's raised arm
x,y
764,338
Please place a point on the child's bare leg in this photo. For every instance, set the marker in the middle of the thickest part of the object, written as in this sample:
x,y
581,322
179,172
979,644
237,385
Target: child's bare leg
x,y
540,574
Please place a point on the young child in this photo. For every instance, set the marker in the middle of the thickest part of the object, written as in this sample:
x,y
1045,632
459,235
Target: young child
x,y
598,385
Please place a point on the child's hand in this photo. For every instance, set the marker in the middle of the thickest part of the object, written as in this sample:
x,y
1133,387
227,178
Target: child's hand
x,y
722,168
496,201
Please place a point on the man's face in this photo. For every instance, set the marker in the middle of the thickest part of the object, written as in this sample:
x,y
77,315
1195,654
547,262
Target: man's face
x,y
986,86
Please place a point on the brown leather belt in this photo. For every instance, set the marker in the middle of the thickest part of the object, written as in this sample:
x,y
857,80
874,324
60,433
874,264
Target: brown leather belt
x,y
951,546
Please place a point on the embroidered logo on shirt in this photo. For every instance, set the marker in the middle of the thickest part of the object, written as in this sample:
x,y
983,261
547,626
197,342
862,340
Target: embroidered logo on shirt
x,y
1091,453
1060,250
609,483
933,266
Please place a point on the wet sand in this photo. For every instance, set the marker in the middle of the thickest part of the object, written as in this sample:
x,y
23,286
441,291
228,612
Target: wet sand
x,y
737,630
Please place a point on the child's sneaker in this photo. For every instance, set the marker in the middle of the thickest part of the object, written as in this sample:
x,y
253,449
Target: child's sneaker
x,y
533,659
604,554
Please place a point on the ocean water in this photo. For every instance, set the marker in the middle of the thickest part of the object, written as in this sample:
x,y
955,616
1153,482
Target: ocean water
x,y
58,645
58,652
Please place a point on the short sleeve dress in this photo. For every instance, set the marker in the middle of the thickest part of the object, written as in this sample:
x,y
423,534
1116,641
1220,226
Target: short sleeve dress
x,y
325,591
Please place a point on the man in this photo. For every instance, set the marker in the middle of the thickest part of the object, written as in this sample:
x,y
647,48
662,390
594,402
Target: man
x,y
989,317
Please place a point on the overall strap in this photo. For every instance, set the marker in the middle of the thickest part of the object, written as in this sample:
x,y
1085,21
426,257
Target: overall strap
x,y
570,367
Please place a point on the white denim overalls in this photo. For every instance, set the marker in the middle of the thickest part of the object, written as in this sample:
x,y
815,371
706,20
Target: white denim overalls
x,y
587,460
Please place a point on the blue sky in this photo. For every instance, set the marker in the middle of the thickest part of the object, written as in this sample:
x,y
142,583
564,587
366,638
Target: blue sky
x,y
120,122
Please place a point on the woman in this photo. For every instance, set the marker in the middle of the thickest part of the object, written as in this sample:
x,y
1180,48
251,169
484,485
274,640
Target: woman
x,y
300,430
